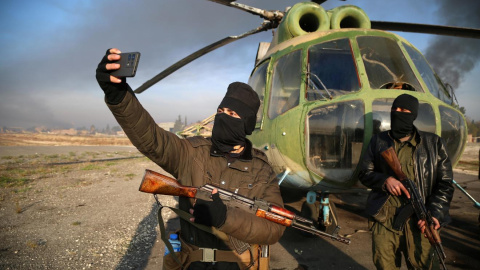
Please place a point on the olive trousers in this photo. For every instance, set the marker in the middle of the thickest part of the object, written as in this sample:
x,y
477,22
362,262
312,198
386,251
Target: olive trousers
x,y
388,246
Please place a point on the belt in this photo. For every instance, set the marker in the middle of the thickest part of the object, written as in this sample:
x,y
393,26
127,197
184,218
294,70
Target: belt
x,y
212,255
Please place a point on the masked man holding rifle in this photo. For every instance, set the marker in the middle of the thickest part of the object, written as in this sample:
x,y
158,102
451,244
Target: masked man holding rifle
x,y
423,159
228,160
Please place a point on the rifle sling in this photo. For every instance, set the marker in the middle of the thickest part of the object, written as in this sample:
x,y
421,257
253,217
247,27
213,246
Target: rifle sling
x,y
403,214
163,236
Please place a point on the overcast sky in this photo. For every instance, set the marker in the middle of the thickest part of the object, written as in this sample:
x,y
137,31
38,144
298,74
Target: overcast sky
x,y
50,49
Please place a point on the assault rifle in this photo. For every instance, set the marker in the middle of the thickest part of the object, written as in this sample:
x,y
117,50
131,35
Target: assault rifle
x,y
157,183
417,204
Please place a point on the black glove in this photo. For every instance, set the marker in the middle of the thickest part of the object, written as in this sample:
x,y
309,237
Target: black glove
x,y
210,213
114,92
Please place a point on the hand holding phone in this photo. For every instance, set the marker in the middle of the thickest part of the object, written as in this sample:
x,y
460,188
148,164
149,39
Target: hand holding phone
x,y
128,65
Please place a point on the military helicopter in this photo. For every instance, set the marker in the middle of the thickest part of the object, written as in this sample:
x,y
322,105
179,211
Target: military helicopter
x,y
326,83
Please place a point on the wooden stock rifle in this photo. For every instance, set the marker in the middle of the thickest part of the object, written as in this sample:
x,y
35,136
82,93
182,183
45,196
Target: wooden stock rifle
x,y
157,183
416,203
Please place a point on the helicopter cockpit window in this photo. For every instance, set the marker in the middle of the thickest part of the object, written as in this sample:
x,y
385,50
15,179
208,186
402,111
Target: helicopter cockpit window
x,y
386,65
453,132
335,139
381,109
257,81
285,92
332,70
431,79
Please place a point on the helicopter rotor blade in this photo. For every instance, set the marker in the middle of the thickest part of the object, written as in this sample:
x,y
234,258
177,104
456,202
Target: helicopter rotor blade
x,y
427,29
274,15
264,27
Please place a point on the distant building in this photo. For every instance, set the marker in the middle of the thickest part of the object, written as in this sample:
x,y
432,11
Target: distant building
x,y
167,125
70,131
13,130
83,132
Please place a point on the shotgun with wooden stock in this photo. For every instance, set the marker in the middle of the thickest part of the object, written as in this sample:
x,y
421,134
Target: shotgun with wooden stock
x,y
157,183
416,206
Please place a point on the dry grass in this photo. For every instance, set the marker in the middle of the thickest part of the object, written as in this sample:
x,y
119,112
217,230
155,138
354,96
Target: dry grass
x,y
12,139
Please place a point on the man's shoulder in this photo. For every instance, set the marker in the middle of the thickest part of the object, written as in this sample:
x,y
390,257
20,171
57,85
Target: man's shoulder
x,y
199,141
381,137
429,136
259,154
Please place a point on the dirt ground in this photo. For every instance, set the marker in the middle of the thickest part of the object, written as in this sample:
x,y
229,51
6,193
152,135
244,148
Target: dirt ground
x,y
63,208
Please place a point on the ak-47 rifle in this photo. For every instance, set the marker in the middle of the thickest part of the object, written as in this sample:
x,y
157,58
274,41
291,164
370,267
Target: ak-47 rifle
x,y
157,183
417,203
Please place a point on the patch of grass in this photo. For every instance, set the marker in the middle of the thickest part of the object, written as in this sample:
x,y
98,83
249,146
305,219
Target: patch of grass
x,y
53,156
6,181
22,190
76,223
91,167
14,160
130,176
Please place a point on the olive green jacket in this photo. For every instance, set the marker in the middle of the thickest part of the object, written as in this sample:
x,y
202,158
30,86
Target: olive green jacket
x,y
193,164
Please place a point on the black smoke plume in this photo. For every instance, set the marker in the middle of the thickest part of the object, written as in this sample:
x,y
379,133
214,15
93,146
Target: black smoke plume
x,y
453,57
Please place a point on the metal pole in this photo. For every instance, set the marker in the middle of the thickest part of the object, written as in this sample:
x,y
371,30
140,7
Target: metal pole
x,y
475,203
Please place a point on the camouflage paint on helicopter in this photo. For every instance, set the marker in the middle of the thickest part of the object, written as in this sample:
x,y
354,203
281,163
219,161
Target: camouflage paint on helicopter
x,y
327,82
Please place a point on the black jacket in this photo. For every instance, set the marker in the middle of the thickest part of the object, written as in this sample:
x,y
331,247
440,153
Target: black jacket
x,y
433,171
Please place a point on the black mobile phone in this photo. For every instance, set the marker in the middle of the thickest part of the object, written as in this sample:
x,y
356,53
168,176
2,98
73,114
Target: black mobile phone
x,y
128,64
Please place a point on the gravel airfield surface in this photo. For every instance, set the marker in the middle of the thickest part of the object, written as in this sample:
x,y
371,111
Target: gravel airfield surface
x,y
74,211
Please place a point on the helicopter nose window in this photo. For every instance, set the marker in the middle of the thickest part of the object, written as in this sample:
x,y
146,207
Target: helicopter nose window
x,y
335,139
381,109
431,79
285,91
386,65
257,81
332,70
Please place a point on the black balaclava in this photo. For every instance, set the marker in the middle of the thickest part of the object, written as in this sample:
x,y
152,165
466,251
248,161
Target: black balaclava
x,y
402,122
229,131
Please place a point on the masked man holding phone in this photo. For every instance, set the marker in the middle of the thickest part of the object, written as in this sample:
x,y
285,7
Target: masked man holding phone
x,y
228,160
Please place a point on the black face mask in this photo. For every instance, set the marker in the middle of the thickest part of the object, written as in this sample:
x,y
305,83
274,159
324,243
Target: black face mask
x,y
401,124
228,132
